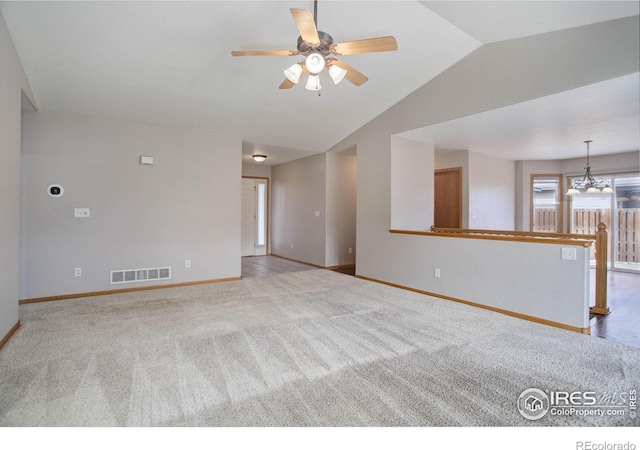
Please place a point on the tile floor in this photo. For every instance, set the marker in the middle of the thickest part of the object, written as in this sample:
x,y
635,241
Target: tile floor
x,y
260,266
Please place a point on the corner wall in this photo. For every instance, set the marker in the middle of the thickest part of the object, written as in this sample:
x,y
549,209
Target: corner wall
x,y
186,206
341,207
298,191
13,82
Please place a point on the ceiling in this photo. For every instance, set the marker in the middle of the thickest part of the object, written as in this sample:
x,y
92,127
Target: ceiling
x,y
169,64
552,127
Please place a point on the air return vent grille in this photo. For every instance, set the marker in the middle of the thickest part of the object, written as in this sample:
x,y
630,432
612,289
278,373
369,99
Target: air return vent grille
x,y
136,275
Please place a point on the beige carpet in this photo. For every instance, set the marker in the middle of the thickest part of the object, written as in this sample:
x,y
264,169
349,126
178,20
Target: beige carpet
x,y
312,348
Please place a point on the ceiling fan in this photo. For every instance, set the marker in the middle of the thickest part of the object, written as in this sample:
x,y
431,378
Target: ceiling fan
x,y
320,51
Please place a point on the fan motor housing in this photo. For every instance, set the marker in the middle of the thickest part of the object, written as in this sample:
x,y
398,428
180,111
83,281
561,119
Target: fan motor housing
x,y
324,48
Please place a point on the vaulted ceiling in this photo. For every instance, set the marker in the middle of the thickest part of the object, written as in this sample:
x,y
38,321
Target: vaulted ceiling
x,y
170,64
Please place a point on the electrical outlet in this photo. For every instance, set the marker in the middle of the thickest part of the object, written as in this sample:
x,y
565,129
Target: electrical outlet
x,y
436,273
350,250
187,263
292,245
77,272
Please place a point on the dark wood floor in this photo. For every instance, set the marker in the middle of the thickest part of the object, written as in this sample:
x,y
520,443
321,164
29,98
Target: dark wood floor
x,y
621,325
623,298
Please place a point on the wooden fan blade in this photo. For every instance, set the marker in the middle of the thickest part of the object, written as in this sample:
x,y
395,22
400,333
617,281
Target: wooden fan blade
x,y
381,44
306,25
352,75
263,53
286,84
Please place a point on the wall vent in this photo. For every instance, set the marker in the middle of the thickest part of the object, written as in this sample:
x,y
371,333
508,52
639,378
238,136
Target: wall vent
x,y
136,275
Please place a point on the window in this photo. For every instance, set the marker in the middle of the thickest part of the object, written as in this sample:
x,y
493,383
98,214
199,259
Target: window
x,y
546,205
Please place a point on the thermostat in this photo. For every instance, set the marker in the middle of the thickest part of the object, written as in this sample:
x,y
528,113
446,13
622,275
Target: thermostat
x,y
55,190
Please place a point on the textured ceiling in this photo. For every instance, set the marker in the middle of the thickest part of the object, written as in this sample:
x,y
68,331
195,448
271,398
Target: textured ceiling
x,y
169,63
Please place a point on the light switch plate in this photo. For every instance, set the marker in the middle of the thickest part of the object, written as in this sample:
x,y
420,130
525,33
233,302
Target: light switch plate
x,y
81,212
569,253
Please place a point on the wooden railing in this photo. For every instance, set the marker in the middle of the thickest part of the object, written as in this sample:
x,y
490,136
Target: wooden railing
x,y
586,240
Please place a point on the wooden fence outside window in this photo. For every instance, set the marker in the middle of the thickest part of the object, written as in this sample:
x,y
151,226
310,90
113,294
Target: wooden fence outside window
x,y
586,221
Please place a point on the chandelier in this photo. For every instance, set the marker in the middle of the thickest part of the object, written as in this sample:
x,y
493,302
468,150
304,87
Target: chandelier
x,y
588,182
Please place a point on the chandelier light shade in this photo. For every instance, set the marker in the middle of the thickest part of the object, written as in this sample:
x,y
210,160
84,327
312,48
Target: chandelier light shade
x,y
293,73
588,182
313,83
259,158
315,63
573,191
336,73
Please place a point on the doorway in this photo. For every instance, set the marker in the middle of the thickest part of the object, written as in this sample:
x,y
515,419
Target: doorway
x,y
447,211
546,203
254,216
621,214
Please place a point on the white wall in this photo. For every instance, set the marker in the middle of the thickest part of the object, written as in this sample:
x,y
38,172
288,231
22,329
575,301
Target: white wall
x,y
185,206
540,285
256,170
298,191
493,76
412,188
13,82
341,207
491,192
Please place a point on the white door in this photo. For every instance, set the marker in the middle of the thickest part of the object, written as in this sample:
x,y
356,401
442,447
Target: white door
x,y
254,217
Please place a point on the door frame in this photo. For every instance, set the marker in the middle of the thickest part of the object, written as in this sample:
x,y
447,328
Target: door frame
x,y
458,170
560,198
267,210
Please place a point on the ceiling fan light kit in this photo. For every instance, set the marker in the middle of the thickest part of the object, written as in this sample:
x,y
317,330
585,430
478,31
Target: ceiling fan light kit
x,y
315,63
336,73
320,51
294,73
313,83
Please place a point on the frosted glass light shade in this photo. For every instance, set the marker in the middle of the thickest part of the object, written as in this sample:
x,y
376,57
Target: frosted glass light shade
x,y
315,63
593,190
336,73
293,73
259,158
573,191
607,190
313,83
